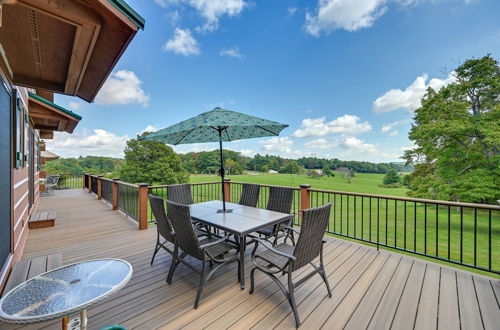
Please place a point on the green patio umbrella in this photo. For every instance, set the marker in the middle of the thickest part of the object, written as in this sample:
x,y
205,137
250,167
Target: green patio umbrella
x,y
219,125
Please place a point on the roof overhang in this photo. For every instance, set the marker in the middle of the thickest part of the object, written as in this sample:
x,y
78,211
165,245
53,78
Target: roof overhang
x,y
66,46
49,117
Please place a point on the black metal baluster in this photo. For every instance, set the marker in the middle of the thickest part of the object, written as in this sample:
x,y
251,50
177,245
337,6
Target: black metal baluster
x,y
461,234
449,231
489,239
386,218
425,228
354,215
378,221
415,227
437,230
395,223
341,208
370,218
334,213
404,233
347,216
475,235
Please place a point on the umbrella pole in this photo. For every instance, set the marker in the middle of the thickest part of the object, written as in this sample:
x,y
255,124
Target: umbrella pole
x,y
222,172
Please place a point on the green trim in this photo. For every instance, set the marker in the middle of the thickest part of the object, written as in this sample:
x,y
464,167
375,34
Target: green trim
x,y
43,100
129,12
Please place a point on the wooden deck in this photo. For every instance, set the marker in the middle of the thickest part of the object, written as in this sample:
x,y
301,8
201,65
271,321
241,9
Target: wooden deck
x,y
375,290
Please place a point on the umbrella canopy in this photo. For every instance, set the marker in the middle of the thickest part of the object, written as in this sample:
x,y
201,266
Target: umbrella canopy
x,y
49,155
219,125
205,128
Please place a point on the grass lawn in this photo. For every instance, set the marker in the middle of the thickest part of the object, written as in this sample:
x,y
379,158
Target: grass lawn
x,y
361,183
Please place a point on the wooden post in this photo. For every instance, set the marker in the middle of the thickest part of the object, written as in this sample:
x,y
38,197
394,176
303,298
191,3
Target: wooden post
x,y
99,187
143,206
90,183
115,194
227,189
84,177
305,198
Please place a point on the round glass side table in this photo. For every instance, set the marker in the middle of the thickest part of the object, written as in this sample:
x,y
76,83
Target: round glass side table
x,y
65,291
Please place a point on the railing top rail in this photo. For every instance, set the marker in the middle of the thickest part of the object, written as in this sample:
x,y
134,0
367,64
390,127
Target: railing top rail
x,y
127,184
106,179
410,199
265,185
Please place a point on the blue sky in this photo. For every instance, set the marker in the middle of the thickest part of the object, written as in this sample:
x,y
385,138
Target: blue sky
x,y
344,74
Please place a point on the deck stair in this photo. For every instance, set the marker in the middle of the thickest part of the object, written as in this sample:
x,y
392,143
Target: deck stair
x,y
42,220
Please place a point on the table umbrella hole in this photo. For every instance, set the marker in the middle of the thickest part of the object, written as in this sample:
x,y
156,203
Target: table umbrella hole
x,y
75,281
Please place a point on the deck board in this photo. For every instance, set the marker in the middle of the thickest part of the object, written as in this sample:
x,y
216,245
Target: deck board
x,y
371,289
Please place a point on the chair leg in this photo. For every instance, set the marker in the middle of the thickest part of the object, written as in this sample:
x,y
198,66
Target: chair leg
x,y
173,265
252,284
200,287
291,299
323,274
157,248
239,275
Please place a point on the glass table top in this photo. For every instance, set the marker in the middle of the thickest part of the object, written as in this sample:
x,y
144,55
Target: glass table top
x,y
64,290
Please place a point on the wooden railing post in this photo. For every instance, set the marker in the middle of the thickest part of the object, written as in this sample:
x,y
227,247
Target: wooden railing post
x,y
84,177
90,183
227,189
99,187
305,198
143,206
115,194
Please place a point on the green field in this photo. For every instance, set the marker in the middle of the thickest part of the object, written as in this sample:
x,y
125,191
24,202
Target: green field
x,y
417,229
361,183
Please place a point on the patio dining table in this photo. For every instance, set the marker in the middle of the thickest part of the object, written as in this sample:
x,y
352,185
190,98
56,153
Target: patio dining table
x,y
241,221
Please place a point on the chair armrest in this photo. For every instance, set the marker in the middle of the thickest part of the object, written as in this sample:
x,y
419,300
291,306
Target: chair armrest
x,y
292,229
204,246
270,248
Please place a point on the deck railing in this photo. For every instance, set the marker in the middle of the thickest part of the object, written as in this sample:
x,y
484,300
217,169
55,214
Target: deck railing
x,y
68,181
465,234
460,233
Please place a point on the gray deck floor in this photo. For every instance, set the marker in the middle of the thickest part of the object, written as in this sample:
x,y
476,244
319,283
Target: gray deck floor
x,y
371,289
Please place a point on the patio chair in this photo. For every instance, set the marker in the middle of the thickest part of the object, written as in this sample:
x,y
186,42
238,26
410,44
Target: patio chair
x,y
211,250
51,182
163,226
280,200
287,258
180,193
249,194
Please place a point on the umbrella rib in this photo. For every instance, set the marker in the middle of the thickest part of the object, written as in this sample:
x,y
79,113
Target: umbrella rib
x,y
227,133
265,129
182,138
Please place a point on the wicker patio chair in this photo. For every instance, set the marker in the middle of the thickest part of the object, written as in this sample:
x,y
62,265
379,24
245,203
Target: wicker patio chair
x,y
287,258
210,250
164,228
280,200
180,193
249,194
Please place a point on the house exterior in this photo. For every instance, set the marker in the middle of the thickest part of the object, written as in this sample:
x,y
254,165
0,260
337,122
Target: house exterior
x,y
64,46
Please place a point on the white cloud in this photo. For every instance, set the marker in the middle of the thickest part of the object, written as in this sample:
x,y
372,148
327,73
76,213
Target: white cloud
x,y
122,87
232,52
100,143
318,144
279,144
389,128
75,105
291,11
174,17
183,43
149,128
246,152
350,15
411,96
213,10
356,145
343,124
